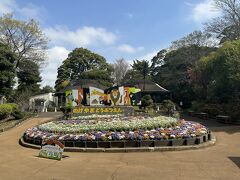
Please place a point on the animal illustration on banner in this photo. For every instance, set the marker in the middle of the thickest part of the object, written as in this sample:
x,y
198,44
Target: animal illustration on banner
x,y
127,100
75,97
97,96
132,91
93,96
80,96
121,91
69,98
116,96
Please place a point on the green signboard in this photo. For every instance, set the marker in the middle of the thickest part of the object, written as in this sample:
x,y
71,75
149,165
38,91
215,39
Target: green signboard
x,y
51,149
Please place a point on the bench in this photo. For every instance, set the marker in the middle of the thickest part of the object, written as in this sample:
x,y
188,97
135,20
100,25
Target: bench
x,y
203,115
224,119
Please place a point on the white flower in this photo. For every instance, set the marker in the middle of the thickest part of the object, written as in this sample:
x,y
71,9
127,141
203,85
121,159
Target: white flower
x,y
172,136
152,136
93,137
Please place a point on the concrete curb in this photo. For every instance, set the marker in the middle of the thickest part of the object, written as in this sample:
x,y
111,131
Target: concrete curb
x,y
121,150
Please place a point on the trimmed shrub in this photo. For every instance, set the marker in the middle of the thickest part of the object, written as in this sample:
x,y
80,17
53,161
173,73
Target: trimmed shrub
x,y
147,101
10,109
169,107
13,106
18,114
5,111
212,109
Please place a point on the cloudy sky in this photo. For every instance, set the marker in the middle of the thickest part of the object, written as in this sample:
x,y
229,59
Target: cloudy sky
x,y
129,29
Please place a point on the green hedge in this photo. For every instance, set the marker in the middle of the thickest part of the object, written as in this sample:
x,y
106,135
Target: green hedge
x,y
5,111
10,109
230,109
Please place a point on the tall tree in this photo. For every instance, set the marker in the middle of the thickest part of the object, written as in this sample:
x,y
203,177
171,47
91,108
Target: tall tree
x,y
7,70
200,78
84,64
141,67
197,38
29,76
223,73
227,26
156,63
174,73
47,89
140,70
120,68
25,38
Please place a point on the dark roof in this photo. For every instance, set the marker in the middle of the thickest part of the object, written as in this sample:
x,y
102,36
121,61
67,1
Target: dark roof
x,y
150,86
81,83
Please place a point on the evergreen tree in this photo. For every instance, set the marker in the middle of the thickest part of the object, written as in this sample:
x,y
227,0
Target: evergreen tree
x,y
7,70
84,64
29,76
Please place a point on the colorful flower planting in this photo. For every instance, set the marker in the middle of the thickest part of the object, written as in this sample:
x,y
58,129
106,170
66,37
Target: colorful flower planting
x,y
108,124
117,128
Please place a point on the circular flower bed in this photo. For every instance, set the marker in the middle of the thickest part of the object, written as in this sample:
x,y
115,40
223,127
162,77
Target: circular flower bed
x,y
117,128
116,124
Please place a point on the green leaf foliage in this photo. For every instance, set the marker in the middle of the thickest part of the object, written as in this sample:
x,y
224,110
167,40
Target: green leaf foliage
x,y
174,73
10,109
25,38
29,76
146,101
5,111
223,73
84,64
7,69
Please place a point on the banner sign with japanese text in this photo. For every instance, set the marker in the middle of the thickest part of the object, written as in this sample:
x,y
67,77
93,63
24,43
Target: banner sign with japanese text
x,y
98,110
51,149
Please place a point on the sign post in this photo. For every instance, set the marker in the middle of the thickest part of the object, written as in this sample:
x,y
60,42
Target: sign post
x,y
51,149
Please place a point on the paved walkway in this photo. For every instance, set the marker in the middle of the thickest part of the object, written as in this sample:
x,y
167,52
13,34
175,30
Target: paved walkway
x,y
221,161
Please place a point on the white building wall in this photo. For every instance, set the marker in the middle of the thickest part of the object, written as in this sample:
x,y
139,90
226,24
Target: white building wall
x,y
48,97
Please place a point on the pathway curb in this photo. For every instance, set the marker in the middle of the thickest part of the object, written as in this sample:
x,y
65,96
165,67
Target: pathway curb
x,y
137,149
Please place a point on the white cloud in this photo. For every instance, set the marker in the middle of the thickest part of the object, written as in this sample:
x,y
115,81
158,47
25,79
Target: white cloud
x,y
203,11
55,57
85,36
129,49
148,56
28,11
31,11
129,15
7,6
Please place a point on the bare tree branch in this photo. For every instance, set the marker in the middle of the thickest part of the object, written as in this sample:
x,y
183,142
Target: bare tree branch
x,y
25,38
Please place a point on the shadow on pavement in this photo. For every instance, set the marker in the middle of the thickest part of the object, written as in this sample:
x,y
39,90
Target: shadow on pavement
x,y
236,160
